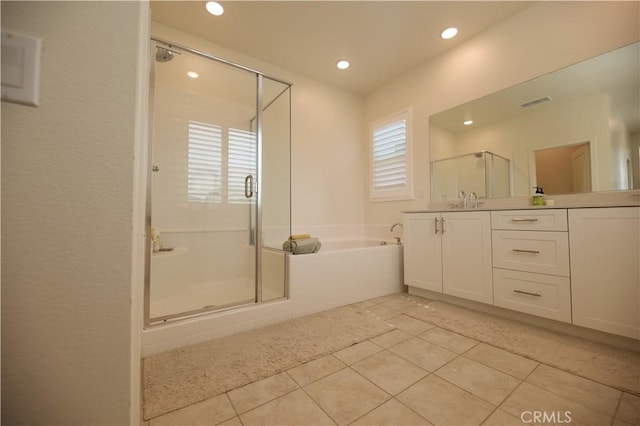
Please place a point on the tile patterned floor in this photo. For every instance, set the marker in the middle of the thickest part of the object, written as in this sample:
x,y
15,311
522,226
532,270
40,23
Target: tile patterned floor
x,y
417,374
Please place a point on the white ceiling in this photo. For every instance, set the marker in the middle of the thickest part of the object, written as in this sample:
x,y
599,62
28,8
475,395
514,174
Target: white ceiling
x,y
381,39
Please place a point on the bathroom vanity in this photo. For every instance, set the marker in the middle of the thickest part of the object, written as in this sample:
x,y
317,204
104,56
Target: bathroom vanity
x,y
574,262
576,265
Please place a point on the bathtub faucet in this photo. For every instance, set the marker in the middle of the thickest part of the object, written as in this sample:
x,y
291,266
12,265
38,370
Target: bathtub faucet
x,y
394,226
398,241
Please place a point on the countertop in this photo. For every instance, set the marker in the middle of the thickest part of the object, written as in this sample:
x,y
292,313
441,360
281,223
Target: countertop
x,y
629,198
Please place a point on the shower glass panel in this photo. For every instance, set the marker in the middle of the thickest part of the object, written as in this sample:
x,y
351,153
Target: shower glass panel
x,y
203,203
276,194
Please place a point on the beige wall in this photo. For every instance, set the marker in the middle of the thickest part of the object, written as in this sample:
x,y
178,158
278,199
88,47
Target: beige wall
x,y
538,40
67,199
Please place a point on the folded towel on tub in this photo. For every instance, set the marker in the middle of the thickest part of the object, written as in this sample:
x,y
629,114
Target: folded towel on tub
x,y
302,246
300,236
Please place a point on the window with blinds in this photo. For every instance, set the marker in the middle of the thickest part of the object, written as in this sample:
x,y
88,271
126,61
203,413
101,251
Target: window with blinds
x,y
204,163
212,150
390,158
241,162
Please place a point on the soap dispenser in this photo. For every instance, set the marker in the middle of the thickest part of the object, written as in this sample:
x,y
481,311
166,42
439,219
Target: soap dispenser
x,y
538,197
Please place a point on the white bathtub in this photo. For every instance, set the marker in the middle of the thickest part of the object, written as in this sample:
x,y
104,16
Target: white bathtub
x,y
340,245
341,273
345,272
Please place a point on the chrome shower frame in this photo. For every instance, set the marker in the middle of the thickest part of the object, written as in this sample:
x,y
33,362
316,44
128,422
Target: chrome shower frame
x,y
174,48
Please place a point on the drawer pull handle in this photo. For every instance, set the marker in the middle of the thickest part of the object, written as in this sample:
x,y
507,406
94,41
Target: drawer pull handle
x,y
524,220
527,293
525,251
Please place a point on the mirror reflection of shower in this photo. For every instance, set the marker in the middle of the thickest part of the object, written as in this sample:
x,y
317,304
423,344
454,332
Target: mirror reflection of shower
x,y
214,243
485,173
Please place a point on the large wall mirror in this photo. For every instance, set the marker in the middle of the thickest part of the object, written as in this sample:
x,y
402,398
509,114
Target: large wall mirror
x,y
571,131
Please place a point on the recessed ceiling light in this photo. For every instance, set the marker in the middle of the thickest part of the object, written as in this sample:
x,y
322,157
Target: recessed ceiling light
x,y
468,122
214,8
343,64
193,74
449,33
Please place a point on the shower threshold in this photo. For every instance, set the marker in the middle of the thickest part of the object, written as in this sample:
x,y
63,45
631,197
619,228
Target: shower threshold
x,y
205,310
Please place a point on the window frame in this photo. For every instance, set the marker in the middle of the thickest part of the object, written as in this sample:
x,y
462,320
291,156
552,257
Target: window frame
x,y
395,194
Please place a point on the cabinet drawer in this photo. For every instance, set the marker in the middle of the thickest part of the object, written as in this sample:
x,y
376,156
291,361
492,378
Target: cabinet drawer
x,y
531,251
530,220
536,294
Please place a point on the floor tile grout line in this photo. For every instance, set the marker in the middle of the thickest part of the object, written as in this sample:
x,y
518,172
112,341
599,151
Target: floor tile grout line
x,y
570,400
266,402
509,396
414,411
332,354
615,412
371,381
470,393
414,363
406,387
318,404
489,416
231,403
493,368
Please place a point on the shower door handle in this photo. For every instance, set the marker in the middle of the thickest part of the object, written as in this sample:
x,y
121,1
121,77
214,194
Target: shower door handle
x,y
248,186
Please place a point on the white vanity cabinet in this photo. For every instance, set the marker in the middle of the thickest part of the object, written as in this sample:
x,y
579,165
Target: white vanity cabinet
x,y
605,269
574,265
450,252
531,262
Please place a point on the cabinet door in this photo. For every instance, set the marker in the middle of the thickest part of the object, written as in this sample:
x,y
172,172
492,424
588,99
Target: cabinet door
x,y
422,251
605,275
466,256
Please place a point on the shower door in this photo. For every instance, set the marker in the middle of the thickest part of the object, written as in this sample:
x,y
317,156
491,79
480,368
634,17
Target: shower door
x,y
203,202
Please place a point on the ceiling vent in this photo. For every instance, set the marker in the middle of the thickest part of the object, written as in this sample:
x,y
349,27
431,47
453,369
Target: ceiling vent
x,y
535,102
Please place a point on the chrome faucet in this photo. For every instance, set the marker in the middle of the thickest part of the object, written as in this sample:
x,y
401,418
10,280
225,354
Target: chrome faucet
x,y
394,226
398,240
462,197
473,200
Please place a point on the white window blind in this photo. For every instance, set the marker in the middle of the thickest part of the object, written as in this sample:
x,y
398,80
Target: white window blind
x,y
242,162
205,163
390,177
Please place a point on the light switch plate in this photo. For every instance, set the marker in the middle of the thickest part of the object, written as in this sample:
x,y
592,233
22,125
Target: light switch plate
x,y
20,68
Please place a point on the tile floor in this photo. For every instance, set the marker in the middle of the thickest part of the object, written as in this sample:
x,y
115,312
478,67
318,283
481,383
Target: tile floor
x,y
417,374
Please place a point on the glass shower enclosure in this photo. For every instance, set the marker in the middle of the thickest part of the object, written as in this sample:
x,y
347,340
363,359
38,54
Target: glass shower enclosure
x,y
218,195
